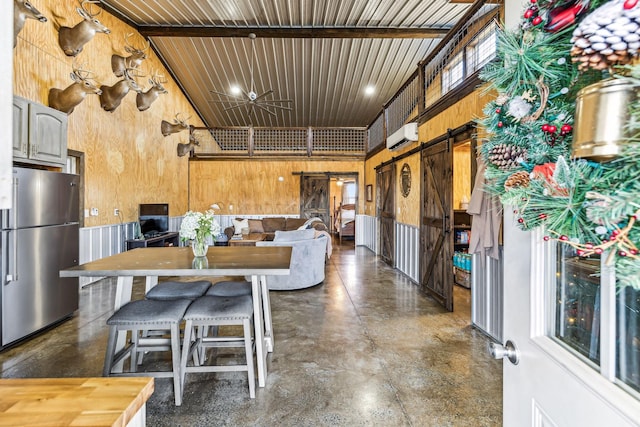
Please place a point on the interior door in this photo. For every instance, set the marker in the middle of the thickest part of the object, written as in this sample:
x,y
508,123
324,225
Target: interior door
x,y
314,197
385,206
436,241
551,385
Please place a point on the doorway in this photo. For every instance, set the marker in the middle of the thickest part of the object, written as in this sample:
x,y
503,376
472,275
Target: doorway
x,y
344,198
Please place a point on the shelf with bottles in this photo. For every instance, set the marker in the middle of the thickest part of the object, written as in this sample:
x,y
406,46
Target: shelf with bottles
x,y
462,264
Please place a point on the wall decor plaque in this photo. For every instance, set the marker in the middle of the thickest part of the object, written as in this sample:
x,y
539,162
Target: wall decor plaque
x,y
405,179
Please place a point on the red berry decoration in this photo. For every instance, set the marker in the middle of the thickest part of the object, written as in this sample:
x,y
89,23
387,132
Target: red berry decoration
x,y
566,128
552,129
534,1
588,245
629,4
528,13
542,216
520,220
622,253
500,124
564,238
580,252
633,251
546,238
498,110
537,20
598,250
545,128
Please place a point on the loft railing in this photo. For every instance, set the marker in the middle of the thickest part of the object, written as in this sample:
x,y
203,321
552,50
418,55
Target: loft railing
x,y
264,142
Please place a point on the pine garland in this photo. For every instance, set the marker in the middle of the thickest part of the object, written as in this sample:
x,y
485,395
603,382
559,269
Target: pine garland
x,y
591,206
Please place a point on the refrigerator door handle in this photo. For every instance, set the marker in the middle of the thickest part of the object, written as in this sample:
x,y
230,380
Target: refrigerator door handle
x,y
9,259
12,274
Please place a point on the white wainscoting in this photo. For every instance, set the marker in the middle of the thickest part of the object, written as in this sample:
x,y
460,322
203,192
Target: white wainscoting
x,y
407,251
106,240
367,232
487,295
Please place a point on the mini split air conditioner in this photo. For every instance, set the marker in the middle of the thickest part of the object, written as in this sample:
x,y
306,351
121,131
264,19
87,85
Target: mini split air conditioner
x,y
403,136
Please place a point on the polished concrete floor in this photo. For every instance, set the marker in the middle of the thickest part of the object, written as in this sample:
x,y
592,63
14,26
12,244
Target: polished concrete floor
x,y
365,348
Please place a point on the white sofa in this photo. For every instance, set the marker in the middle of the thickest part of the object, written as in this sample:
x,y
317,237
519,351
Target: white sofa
x,y
307,259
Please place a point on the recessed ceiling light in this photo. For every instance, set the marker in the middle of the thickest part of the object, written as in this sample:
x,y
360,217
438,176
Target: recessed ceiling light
x,y
236,90
369,90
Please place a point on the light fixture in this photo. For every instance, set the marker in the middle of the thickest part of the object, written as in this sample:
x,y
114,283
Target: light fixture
x,y
281,178
250,99
369,90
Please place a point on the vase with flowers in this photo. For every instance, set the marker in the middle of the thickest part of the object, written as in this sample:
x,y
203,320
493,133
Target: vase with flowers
x,y
198,227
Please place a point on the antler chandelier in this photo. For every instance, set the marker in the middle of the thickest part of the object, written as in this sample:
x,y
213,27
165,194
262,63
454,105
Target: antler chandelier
x,y
251,100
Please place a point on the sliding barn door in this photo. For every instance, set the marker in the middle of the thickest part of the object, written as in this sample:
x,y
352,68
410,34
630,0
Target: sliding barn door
x,y
436,265
385,205
314,197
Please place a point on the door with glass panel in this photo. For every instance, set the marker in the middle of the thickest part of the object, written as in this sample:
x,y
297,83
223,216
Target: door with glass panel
x,y
572,340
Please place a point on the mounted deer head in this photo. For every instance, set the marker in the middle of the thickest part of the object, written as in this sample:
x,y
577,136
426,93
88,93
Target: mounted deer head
x,y
72,40
184,149
145,99
112,96
23,10
67,99
135,59
177,125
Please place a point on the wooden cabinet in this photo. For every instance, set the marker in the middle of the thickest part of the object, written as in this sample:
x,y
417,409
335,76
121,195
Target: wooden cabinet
x,y
39,133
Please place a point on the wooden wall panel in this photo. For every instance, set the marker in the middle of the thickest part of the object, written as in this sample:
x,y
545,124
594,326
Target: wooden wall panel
x,y
128,161
461,173
253,188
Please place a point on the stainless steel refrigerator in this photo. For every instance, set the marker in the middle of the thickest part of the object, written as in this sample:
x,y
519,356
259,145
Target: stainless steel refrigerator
x,y
39,237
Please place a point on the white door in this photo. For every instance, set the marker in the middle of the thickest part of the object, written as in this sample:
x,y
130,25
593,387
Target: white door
x,y
551,385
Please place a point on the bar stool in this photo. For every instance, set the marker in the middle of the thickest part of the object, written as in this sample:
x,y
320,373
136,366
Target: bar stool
x,y
217,311
142,315
177,290
230,288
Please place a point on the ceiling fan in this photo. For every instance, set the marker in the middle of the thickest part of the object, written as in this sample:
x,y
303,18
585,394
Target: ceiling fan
x,y
251,100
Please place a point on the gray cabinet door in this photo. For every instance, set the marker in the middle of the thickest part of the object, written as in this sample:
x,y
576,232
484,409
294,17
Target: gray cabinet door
x,y
47,134
20,128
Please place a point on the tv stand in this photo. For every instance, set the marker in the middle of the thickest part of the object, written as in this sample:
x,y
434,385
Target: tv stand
x,y
166,239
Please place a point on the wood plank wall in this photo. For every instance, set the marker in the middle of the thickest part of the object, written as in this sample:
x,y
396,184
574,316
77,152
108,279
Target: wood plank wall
x,y
408,209
128,161
252,186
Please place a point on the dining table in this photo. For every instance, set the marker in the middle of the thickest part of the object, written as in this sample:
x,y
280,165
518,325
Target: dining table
x,y
154,262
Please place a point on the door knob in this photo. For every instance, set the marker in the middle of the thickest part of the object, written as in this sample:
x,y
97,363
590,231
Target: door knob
x,y
508,350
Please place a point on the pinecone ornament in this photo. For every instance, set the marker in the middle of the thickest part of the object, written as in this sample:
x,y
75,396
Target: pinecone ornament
x,y
507,157
609,36
517,179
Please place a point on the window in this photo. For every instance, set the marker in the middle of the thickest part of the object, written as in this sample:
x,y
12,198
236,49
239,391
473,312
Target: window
x,y
473,57
580,320
482,49
453,73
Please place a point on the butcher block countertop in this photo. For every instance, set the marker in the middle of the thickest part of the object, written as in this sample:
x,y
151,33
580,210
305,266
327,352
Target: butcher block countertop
x,y
72,401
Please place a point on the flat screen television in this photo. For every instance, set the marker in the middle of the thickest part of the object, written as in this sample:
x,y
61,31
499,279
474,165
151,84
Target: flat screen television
x,y
153,218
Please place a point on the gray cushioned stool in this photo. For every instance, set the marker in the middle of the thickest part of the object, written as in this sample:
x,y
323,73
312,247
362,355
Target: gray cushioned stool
x,y
140,315
177,290
230,289
217,311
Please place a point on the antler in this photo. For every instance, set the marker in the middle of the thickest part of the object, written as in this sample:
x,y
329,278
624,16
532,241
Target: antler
x,y
89,10
178,120
79,70
132,70
158,78
129,47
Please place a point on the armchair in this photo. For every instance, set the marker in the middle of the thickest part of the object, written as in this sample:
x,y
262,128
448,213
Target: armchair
x,y
307,259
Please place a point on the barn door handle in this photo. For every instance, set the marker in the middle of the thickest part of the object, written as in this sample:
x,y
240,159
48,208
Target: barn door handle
x,y
506,351
445,224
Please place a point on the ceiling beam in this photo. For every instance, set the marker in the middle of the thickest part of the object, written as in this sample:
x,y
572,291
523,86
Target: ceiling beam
x,y
294,33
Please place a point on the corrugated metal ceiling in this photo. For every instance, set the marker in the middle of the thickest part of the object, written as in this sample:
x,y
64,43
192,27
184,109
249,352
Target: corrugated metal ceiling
x,y
319,54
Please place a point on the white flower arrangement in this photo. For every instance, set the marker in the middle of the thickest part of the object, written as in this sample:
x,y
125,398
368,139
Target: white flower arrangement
x,y
198,226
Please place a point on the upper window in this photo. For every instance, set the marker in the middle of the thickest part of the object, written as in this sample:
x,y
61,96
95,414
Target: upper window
x,y
482,49
470,59
453,73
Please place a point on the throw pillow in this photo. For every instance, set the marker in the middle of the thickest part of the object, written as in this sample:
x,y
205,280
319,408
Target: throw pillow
x,y
255,226
238,225
294,235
